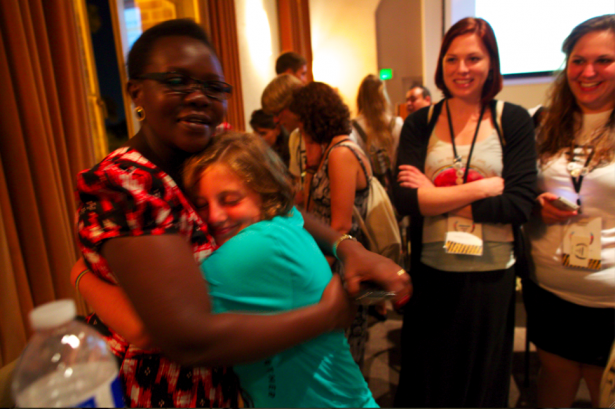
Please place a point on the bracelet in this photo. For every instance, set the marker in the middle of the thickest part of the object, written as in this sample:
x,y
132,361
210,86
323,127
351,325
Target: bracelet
x,y
81,274
338,241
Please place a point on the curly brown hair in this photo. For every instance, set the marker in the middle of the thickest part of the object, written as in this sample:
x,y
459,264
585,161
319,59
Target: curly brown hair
x,y
321,111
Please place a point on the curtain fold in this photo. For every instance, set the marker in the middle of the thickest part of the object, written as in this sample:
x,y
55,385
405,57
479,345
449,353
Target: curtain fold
x,y
44,142
295,33
223,26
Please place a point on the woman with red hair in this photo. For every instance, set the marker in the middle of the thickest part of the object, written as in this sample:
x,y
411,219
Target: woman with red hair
x,y
467,170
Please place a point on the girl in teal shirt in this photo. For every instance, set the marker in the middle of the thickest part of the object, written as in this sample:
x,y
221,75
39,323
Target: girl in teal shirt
x,y
268,263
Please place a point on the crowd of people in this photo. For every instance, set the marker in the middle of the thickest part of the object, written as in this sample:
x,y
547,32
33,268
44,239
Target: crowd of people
x,y
222,266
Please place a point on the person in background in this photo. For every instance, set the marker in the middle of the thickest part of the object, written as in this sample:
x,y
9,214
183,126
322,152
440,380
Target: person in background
x,y
274,134
378,129
467,192
294,64
417,97
276,100
570,296
338,176
139,233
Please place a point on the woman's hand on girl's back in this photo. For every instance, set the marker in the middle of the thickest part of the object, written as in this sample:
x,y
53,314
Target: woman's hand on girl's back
x,y
551,214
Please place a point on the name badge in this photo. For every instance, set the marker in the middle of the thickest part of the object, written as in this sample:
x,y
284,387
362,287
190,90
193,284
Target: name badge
x,y
581,247
463,236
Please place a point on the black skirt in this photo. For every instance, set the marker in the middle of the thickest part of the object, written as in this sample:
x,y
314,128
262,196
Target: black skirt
x,y
457,339
575,332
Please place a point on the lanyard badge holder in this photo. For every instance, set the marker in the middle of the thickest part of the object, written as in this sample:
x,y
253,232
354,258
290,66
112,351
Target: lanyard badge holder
x,y
463,236
581,243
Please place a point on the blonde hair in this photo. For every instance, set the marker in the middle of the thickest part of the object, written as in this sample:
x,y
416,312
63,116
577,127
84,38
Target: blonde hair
x,y
254,162
563,118
373,103
279,93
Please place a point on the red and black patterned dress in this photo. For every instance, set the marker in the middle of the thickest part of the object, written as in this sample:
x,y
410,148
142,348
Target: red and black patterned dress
x,y
127,195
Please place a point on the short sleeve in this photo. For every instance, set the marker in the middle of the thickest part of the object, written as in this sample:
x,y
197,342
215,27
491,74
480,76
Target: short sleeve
x,y
268,267
126,195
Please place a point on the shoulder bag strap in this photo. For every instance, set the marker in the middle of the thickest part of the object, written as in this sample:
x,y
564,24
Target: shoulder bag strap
x,y
324,156
360,130
497,107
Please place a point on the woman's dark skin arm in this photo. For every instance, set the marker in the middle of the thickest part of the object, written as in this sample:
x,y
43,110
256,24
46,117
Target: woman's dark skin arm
x,y
168,292
359,264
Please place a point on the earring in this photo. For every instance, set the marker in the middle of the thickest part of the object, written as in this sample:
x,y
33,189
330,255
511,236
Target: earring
x,y
140,113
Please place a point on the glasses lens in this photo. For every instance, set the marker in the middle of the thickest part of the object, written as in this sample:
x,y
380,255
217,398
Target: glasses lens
x,y
217,90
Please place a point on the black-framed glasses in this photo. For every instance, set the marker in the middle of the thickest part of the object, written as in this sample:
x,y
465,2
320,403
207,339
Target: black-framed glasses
x,y
185,84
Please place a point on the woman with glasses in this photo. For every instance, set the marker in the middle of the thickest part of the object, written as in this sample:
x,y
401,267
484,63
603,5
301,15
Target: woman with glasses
x,y
137,229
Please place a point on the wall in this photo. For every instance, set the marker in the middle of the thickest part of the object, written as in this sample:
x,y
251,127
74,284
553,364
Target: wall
x,y
432,35
344,43
526,92
399,36
259,46
351,39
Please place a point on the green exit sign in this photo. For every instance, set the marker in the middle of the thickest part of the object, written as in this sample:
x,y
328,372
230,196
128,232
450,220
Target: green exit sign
x,y
386,74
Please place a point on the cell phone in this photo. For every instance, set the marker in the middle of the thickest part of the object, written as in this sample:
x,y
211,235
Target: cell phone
x,y
370,293
565,204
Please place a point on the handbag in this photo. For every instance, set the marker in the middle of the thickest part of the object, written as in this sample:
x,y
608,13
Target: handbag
x,y
380,225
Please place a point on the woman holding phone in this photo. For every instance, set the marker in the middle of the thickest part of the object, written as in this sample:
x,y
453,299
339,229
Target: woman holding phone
x,y
570,297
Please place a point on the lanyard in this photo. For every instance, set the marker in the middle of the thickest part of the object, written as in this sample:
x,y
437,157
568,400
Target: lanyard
x,y
576,174
462,177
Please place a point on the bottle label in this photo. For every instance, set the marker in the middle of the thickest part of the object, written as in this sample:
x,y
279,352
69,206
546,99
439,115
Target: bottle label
x,y
108,395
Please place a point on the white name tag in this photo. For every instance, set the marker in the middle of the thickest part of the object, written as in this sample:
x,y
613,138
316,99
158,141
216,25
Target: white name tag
x,y
463,236
581,245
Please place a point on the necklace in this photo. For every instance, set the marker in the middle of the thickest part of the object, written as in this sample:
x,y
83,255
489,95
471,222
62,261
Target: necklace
x,y
462,176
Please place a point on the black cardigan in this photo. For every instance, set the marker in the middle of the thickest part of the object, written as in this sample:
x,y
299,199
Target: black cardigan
x,y
519,172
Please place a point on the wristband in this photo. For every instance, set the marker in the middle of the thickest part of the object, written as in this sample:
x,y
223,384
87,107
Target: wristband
x,y
338,241
81,274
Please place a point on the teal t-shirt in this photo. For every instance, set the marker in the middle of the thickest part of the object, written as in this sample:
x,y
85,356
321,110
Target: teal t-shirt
x,y
275,266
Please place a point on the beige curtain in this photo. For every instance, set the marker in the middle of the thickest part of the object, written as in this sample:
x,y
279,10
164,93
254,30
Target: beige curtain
x,y
44,142
295,34
223,32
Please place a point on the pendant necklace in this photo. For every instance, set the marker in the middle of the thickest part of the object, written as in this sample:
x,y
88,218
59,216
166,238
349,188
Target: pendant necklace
x,y
462,176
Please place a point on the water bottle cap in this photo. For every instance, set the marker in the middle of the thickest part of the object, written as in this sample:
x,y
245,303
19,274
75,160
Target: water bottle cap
x,y
53,314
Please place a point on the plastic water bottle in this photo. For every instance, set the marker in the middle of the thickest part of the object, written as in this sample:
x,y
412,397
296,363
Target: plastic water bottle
x,y
66,363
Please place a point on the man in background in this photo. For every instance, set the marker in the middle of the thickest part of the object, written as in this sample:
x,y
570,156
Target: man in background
x,y
294,64
417,97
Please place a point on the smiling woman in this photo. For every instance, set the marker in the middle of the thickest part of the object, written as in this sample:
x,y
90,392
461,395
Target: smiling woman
x,y
570,303
138,229
457,169
591,72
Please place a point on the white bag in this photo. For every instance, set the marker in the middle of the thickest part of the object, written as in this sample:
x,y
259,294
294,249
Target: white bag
x,y
380,225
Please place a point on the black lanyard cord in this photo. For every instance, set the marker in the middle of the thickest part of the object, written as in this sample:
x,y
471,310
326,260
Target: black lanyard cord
x,y
457,158
578,181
